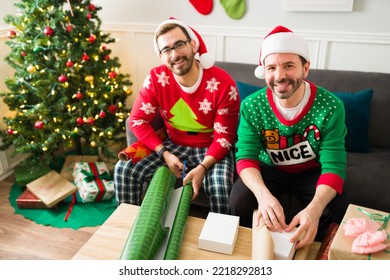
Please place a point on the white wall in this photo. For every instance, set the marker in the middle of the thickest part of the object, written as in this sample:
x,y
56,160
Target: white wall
x,y
358,40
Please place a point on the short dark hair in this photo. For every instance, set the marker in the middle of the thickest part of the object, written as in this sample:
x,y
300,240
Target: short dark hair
x,y
168,27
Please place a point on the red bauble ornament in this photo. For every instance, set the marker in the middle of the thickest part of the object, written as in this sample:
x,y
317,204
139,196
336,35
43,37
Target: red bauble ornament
x,y
69,63
69,28
10,131
102,114
92,38
11,34
89,16
112,109
107,57
79,95
48,31
80,121
85,57
23,53
91,120
62,78
91,7
112,74
38,124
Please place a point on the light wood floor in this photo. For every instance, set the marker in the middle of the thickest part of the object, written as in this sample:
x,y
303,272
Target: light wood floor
x,y
22,239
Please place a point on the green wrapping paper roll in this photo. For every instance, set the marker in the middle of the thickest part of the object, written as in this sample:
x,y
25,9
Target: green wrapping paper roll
x,y
147,233
176,236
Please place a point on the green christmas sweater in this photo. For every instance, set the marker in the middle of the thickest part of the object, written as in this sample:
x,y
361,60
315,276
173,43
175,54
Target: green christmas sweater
x,y
315,137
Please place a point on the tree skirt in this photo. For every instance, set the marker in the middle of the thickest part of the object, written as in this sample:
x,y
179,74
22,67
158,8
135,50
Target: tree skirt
x,y
83,214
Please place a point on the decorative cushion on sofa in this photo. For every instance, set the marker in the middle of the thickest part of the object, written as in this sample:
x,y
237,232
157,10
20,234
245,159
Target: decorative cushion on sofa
x,y
245,89
357,115
357,111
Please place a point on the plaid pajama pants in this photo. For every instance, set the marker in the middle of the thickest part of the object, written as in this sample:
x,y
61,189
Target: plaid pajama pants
x,y
129,178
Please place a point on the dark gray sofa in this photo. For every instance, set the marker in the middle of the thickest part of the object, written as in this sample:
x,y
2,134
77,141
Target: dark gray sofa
x,y
368,174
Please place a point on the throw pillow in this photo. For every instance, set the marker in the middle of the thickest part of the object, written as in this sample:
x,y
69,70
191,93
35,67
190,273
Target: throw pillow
x,y
357,117
245,89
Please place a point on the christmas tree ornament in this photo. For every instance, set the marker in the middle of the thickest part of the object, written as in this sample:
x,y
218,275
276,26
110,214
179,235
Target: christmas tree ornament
x,y
91,7
23,53
93,144
38,125
62,78
112,108
48,31
69,63
92,38
235,9
102,114
31,69
79,95
11,34
80,121
89,78
85,57
10,131
89,16
112,74
90,120
107,57
203,6
69,28
37,49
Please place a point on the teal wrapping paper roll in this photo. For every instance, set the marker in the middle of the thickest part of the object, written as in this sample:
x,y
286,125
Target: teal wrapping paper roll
x,y
148,233
176,236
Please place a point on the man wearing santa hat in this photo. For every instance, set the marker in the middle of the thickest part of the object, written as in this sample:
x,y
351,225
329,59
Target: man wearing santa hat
x,y
199,105
290,140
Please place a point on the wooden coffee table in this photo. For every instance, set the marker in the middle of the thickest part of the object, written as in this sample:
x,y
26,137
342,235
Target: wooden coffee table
x,y
108,241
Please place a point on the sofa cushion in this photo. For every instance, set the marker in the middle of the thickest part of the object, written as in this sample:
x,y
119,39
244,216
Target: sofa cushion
x,y
245,89
357,118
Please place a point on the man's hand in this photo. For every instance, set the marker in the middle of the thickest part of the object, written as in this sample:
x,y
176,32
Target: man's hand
x,y
306,232
196,176
271,211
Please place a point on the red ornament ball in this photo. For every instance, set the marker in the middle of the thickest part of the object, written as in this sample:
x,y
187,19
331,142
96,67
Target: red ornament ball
x,y
92,38
69,28
62,78
91,120
112,109
38,125
23,53
79,95
10,131
85,57
107,57
112,74
69,63
80,121
91,7
11,34
102,114
48,31
89,16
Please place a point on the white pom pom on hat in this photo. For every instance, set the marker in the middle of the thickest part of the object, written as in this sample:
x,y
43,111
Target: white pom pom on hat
x,y
206,60
281,40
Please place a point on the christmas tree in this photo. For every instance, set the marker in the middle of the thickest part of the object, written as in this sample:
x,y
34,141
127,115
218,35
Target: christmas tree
x,y
66,92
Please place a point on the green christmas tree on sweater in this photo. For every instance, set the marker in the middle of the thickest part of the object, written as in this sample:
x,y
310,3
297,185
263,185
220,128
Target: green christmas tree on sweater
x,y
67,92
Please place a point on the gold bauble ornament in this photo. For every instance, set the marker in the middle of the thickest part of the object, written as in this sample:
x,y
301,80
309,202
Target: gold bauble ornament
x,y
31,69
89,79
93,144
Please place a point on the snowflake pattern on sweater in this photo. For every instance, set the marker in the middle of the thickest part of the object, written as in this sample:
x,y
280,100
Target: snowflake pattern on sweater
x,y
205,116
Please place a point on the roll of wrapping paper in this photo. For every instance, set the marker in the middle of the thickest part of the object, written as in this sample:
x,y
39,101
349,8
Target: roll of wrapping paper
x,y
177,232
262,242
147,233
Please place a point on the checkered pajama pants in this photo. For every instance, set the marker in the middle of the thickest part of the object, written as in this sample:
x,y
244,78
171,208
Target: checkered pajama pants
x,y
129,178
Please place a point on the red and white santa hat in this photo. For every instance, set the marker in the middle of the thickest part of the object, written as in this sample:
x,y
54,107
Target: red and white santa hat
x,y
206,60
281,40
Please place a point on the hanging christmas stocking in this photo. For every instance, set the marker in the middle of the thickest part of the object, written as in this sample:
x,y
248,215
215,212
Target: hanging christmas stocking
x,y
235,9
203,6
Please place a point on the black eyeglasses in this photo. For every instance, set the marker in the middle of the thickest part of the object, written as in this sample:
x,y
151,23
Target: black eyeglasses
x,y
179,45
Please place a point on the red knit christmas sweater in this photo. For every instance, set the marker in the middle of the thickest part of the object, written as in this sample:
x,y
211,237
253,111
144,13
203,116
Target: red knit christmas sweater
x,y
205,115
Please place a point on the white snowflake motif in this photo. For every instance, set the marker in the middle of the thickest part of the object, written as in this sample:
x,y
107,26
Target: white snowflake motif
x,y
224,143
219,128
148,108
212,85
138,122
223,111
233,93
163,79
205,106
147,82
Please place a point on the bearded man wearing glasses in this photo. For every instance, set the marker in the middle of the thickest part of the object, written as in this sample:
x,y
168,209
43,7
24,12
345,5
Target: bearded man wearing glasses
x,y
199,105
